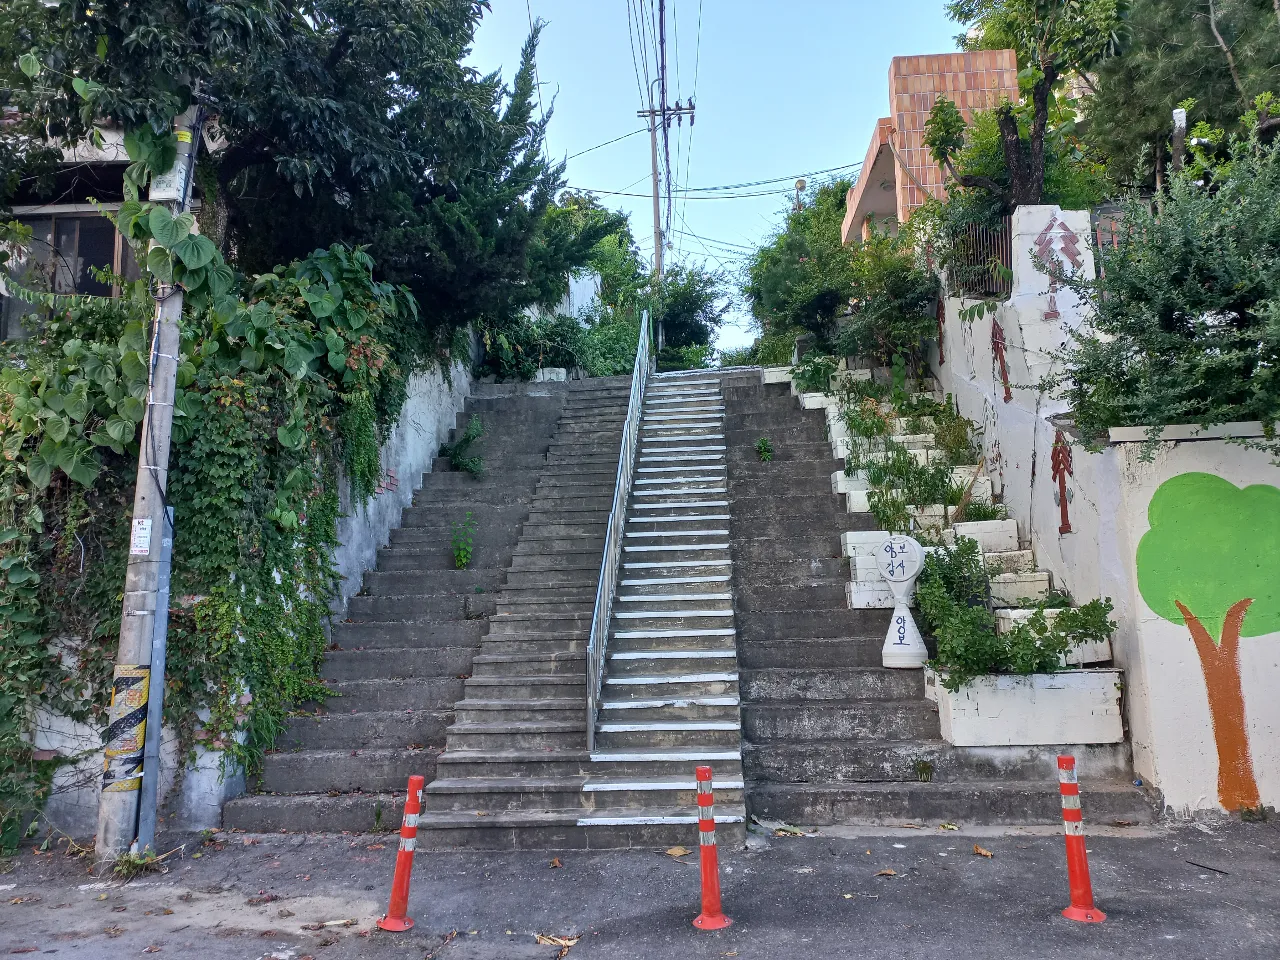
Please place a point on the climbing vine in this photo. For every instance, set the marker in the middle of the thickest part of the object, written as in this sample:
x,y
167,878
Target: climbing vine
x,y
286,382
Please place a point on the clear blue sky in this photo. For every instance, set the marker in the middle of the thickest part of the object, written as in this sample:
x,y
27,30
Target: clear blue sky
x,y
783,88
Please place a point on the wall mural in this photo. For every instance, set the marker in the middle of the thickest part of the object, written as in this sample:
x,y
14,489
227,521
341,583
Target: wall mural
x,y
1210,561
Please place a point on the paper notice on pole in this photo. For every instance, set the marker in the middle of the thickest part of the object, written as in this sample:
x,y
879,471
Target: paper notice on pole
x,y
168,186
140,542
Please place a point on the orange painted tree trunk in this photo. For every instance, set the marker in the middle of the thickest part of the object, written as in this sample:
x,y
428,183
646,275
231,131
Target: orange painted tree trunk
x,y
1220,663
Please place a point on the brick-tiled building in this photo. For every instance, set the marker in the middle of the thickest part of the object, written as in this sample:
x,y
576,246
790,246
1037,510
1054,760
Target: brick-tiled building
x,y
977,80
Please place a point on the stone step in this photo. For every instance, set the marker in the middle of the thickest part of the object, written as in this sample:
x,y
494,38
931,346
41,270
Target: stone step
x,y
804,684
675,732
840,720
1015,589
763,653
633,710
315,813
655,828
420,693
386,607
530,665
784,761
495,710
458,764
345,771
975,802
409,633
815,625
425,605
516,686
519,735
397,663
713,681
352,731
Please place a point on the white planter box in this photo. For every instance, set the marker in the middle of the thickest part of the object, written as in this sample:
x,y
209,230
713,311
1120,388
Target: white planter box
x,y
776,374
1003,710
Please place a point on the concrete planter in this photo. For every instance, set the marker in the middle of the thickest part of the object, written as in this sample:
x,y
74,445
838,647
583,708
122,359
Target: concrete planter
x,y
1003,710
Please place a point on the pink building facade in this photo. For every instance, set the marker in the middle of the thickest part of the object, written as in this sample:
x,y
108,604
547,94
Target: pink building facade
x,y
976,80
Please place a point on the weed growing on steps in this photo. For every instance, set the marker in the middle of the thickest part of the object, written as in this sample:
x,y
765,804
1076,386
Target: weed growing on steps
x,y
764,449
463,542
924,771
456,452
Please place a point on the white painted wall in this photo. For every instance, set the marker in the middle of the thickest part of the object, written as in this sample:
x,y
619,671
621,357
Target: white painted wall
x,y
429,413
1166,702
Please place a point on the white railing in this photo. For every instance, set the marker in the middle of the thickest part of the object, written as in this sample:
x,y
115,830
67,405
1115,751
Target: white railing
x,y
614,533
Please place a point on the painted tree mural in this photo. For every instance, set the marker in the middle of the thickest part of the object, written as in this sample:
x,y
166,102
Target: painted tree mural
x,y
1211,560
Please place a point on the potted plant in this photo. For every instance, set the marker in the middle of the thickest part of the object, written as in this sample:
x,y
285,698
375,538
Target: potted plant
x,y
1010,688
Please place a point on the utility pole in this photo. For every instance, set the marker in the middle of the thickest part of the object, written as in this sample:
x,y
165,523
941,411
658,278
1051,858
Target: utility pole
x,y
122,769
660,118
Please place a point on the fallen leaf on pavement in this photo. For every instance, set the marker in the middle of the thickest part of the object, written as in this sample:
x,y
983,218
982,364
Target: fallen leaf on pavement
x,y
556,862
911,826
30,898
113,931
151,949
1125,823
101,896
547,940
282,913
678,852
887,872
376,846
982,852
167,912
787,831
24,950
947,826
263,899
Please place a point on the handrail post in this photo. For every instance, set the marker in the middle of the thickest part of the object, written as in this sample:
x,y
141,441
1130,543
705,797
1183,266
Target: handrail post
x,y
599,637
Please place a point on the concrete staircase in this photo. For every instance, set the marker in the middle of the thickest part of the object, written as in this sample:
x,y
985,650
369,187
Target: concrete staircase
x,y
830,735
516,772
670,697
397,663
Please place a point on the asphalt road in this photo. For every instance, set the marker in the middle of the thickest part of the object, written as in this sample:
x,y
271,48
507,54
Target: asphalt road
x,y
1188,891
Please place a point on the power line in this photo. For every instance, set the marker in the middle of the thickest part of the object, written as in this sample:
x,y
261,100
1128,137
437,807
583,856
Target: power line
x,y
761,183
607,143
697,64
631,38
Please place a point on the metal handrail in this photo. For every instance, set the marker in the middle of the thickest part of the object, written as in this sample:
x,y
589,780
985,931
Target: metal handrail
x,y
613,533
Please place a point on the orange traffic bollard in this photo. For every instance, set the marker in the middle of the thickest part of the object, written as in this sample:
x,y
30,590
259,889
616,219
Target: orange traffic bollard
x,y
1082,908
397,913
712,916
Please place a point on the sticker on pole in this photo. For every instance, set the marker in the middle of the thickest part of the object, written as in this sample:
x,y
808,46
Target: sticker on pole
x,y
140,541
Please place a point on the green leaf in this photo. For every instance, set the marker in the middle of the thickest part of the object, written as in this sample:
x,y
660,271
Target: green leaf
x,y
334,342
56,428
102,47
195,251
338,361
250,359
221,279
19,575
186,373
167,229
133,337
133,366
87,89
290,438
29,63
10,534
39,470
158,263
119,430
131,408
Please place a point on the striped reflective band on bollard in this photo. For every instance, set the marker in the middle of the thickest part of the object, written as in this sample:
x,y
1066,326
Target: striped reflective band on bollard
x,y
712,916
1082,908
397,913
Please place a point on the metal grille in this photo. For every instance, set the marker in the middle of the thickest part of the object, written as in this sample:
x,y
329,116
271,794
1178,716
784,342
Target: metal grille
x,y
613,533
981,252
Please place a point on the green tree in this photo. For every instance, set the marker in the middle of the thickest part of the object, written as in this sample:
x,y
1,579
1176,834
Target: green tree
x,y
1209,560
1175,55
1054,39
1186,306
803,276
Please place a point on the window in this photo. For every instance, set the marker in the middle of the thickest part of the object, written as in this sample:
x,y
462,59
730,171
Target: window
x,y
65,250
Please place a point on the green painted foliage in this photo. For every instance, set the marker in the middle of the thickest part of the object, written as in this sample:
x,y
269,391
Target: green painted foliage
x,y
1210,545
